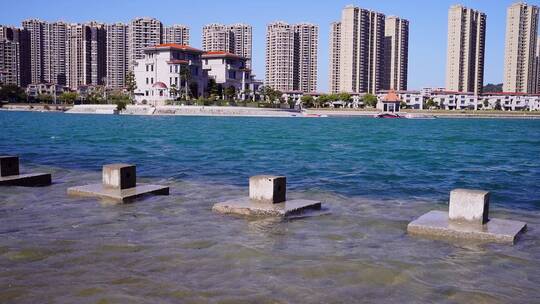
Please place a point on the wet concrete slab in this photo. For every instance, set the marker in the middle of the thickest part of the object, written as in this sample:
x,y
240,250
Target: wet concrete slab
x,y
247,207
27,180
120,195
437,224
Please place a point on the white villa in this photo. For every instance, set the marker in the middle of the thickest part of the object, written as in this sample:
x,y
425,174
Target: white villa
x,y
229,70
165,66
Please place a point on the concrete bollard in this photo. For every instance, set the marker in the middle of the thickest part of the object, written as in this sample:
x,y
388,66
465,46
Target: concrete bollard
x,y
119,183
268,189
10,175
9,165
119,176
469,206
267,197
467,218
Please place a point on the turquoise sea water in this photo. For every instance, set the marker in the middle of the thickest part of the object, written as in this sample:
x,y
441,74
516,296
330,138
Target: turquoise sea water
x,y
374,176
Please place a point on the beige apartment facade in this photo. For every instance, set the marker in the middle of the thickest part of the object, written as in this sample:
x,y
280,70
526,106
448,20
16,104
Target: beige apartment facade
x,y
334,54
466,49
291,56
142,33
117,56
520,73
234,38
176,34
361,59
396,53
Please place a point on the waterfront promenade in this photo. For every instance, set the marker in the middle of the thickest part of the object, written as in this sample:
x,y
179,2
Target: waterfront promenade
x,y
256,112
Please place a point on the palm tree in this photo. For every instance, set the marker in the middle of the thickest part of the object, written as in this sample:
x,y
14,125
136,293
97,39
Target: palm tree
x,y
185,75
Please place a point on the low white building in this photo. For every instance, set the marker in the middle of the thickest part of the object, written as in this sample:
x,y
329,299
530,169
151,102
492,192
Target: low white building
x,y
167,66
229,70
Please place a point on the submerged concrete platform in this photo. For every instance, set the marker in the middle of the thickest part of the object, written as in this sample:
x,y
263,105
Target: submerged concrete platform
x,y
120,195
247,207
27,180
438,224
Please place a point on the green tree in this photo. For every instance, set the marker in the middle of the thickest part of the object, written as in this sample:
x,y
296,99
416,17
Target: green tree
x,y
322,100
96,96
344,97
430,103
185,77
44,98
12,93
247,94
131,85
370,100
68,97
212,88
173,90
230,93
486,104
308,101
498,106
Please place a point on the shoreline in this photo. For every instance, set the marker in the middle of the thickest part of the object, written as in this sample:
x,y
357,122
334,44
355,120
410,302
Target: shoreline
x,y
228,111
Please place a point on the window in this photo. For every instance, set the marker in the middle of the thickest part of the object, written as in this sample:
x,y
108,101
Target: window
x,y
146,80
152,80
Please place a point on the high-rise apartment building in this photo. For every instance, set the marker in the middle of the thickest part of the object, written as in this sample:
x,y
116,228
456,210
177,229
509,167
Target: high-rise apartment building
x,y
334,54
361,51
242,41
35,30
538,65
54,52
142,33
216,37
519,58
466,48
306,53
86,55
14,56
117,55
396,53
178,34
291,56
235,38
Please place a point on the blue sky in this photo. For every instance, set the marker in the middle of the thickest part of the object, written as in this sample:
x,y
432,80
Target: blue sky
x,y
428,24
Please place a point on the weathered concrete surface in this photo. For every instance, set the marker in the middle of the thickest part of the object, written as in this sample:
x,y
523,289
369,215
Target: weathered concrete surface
x,y
470,206
438,224
9,165
27,180
268,189
119,176
120,195
246,206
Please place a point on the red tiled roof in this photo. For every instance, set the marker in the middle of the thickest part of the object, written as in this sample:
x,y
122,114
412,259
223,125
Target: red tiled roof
x,y
391,97
177,47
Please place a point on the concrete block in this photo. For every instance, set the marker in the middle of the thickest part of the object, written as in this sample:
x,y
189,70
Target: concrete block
x,y
246,206
119,183
9,165
268,189
10,175
119,195
470,206
267,197
27,180
119,176
437,224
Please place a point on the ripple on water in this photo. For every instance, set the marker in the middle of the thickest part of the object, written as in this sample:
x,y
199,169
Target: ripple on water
x,y
373,177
